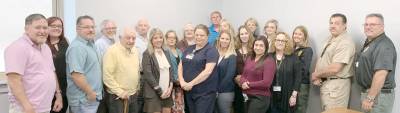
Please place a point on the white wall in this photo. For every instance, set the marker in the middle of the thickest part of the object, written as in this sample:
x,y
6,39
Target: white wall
x,y
13,20
314,14
13,17
165,14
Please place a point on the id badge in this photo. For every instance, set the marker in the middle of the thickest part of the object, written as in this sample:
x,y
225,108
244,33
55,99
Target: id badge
x,y
277,88
356,64
190,56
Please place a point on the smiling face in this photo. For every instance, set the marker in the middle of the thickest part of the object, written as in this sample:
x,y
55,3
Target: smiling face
x,y
86,29
280,42
224,40
37,31
259,47
157,40
129,37
110,29
171,39
200,36
55,28
373,27
215,18
244,35
298,36
252,26
270,28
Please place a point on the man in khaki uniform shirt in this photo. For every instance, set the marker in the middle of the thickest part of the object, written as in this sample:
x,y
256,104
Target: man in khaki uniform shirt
x,y
334,65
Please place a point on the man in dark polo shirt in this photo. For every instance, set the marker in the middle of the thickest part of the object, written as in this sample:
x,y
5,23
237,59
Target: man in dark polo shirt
x,y
375,67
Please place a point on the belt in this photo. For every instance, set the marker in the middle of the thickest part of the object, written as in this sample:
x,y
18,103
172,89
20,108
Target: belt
x,y
382,90
326,79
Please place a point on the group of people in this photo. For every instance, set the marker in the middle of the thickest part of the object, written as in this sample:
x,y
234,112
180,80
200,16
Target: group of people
x,y
211,70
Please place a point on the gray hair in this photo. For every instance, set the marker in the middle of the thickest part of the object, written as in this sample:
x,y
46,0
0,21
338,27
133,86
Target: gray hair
x,y
106,21
378,15
78,21
29,19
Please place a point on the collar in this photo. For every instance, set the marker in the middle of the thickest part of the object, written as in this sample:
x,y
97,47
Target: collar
x,y
337,38
29,40
87,42
122,48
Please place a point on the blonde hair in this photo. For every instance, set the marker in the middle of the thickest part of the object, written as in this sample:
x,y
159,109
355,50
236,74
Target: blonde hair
x,y
288,45
154,32
306,41
231,30
275,22
231,48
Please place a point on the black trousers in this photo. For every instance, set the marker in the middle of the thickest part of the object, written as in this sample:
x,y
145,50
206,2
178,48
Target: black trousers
x,y
258,104
117,105
201,104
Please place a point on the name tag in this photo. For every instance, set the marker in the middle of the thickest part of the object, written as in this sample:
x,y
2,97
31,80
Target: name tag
x,y
277,88
365,49
190,56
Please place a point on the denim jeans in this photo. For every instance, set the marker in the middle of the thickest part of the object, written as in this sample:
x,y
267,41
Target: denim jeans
x,y
89,107
383,102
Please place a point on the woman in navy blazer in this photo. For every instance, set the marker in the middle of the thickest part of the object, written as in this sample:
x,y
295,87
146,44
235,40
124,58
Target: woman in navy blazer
x,y
226,68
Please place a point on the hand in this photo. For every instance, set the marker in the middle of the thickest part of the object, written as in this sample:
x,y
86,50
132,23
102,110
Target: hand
x,y
188,86
292,101
317,82
123,95
245,85
367,105
168,92
314,76
91,96
58,104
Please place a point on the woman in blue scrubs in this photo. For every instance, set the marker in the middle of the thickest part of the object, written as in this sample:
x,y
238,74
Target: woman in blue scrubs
x,y
197,75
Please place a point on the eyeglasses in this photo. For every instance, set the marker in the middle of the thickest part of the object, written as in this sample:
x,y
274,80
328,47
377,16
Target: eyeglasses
x,y
281,41
87,27
110,28
56,26
371,25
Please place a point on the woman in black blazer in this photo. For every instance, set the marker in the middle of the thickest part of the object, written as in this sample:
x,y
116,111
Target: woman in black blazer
x,y
157,75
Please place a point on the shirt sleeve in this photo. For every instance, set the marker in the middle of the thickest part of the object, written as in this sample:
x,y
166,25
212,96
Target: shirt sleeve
x,y
110,67
76,59
212,55
15,60
344,52
384,57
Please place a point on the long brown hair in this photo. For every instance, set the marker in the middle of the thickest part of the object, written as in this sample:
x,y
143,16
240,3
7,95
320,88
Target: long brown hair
x,y
61,37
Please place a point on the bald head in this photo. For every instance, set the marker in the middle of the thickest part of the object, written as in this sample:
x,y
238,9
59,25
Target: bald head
x,y
142,27
128,37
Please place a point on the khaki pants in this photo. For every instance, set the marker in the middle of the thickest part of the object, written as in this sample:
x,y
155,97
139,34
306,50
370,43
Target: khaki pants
x,y
383,102
335,93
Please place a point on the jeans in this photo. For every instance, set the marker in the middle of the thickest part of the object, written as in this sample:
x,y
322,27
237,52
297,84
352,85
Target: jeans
x,y
383,102
89,107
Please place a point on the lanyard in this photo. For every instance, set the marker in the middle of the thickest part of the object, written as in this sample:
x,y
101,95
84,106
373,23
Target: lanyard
x,y
366,44
323,52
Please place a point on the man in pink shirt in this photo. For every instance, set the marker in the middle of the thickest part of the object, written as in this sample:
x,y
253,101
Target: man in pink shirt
x,y
30,70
